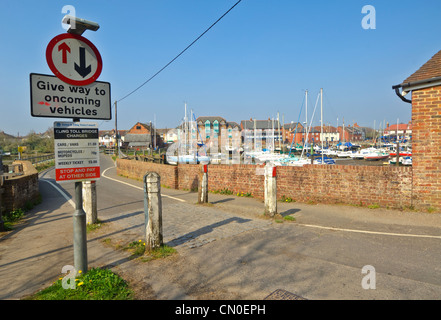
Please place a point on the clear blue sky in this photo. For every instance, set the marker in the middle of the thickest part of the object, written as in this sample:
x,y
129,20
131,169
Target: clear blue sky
x,y
255,62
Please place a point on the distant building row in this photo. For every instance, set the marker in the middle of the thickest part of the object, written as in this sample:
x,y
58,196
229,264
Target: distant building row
x,y
143,135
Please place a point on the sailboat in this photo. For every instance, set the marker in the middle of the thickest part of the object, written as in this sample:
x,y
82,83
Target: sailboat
x,y
322,159
187,151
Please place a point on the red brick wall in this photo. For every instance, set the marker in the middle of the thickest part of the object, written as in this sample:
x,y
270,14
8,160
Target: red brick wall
x,y
137,169
236,178
426,148
187,176
359,185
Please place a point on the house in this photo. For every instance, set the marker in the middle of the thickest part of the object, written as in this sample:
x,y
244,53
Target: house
x,y
142,136
404,130
266,127
330,134
168,135
106,138
293,130
350,134
425,100
211,127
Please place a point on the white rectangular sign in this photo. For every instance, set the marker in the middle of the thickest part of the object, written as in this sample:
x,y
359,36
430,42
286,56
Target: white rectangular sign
x,y
76,151
53,98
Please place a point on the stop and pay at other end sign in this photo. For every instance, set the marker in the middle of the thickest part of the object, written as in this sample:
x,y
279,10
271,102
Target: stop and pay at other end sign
x,y
74,59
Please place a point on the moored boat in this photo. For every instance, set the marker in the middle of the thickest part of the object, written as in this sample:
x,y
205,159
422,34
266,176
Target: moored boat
x,y
373,156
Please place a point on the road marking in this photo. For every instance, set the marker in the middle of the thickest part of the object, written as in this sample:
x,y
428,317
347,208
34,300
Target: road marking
x,y
164,195
61,192
372,232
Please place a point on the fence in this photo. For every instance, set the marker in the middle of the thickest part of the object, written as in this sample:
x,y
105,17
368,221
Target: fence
x,y
40,159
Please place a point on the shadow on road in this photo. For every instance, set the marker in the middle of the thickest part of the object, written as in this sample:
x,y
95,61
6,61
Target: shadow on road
x,y
204,230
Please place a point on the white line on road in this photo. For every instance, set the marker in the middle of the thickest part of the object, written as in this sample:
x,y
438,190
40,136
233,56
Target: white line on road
x,y
372,232
164,195
61,192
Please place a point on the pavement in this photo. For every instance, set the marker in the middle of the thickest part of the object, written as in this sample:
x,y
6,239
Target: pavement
x,y
227,249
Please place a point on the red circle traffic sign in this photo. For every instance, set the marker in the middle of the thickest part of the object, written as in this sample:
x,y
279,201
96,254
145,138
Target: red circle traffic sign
x,y
74,59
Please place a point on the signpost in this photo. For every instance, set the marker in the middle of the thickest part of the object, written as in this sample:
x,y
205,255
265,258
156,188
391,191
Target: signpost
x,y
74,93
74,59
53,98
76,151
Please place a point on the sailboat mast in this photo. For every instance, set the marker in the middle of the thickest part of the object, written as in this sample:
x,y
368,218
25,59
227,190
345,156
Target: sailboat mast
x,y
306,113
321,128
184,128
278,130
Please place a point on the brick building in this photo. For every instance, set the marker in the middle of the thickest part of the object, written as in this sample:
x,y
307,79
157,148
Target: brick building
x,y
212,126
293,130
142,136
404,130
265,128
425,88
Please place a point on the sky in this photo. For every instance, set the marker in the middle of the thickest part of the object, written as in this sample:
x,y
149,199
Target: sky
x,y
255,63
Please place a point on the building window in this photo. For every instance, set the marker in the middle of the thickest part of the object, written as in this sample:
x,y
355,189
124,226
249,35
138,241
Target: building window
x,y
216,128
207,129
138,127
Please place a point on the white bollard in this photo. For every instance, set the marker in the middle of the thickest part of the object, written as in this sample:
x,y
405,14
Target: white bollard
x,y
90,202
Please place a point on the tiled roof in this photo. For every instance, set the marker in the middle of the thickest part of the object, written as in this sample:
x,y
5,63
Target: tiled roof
x,y
401,126
430,69
211,119
260,124
291,126
232,124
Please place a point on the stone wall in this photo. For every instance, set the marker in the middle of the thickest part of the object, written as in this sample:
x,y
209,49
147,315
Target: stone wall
x,y
20,190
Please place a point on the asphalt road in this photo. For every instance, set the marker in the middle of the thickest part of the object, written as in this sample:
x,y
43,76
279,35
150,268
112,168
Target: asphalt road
x,y
228,250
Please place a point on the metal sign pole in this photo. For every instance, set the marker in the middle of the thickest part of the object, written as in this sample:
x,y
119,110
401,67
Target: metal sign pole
x,y
79,228
2,222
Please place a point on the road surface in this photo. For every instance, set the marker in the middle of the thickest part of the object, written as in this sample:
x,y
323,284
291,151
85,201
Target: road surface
x,y
227,249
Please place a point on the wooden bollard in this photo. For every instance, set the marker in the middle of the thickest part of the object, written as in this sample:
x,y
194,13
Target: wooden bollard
x,y
153,211
203,184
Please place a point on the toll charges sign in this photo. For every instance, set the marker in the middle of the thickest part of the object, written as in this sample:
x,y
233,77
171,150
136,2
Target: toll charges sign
x,y
76,151
51,97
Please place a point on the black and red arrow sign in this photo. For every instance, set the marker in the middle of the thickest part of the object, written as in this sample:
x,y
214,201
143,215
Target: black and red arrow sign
x,y
74,59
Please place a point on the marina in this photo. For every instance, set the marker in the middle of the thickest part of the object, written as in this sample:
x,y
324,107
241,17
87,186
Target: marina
x,y
257,144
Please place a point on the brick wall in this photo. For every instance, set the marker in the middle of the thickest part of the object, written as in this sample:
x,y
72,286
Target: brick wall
x,y
137,169
187,176
426,148
359,185
237,178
